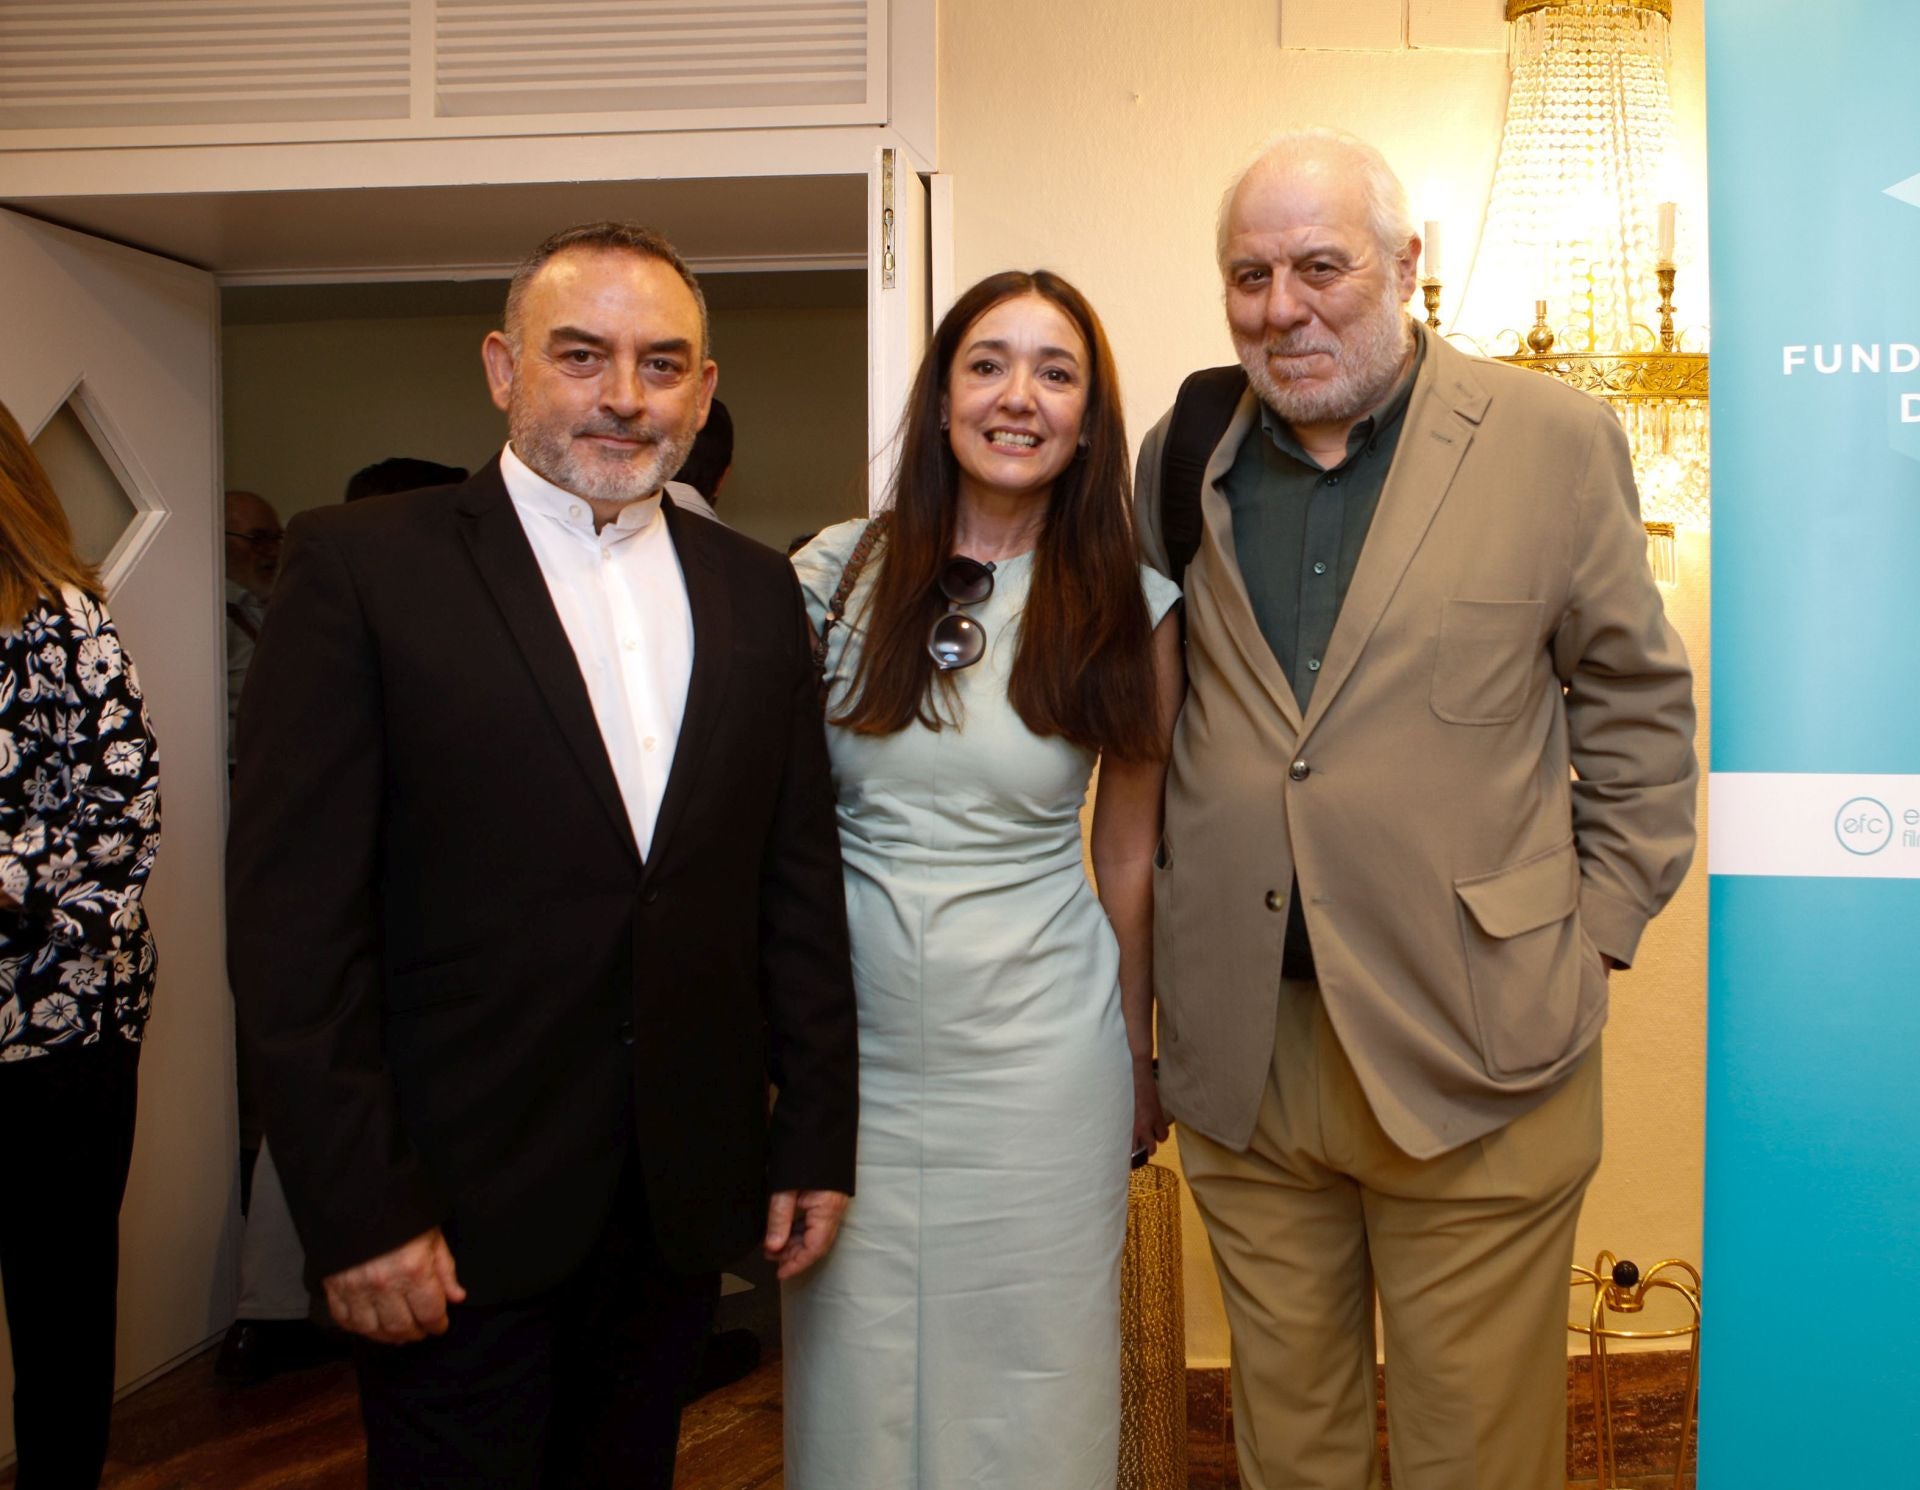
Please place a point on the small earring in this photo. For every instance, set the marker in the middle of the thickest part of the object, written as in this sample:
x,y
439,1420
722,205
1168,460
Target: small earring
x,y
1085,444
943,421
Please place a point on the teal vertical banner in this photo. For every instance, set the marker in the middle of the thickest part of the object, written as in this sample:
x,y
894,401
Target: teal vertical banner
x,y
1812,1261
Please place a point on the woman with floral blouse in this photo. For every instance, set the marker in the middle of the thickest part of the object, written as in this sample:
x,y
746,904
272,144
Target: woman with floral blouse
x,y
79,824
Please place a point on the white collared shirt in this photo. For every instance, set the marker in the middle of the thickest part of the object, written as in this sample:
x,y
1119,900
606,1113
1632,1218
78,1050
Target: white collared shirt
x,y
622,598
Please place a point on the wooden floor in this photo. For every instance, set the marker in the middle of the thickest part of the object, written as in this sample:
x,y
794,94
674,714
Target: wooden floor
x,y
301,1431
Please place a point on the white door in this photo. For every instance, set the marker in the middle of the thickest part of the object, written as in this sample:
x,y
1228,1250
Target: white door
x,y
899,289
111,358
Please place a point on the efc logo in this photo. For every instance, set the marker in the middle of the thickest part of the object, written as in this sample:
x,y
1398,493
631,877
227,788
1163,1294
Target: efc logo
x,y
1863,826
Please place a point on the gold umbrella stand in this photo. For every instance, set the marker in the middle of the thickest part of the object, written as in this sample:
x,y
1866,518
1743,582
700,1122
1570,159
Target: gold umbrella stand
x,y
1153,1344
1619,1288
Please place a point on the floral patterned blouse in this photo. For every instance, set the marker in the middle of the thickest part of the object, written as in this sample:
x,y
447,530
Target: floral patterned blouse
x,y
79,825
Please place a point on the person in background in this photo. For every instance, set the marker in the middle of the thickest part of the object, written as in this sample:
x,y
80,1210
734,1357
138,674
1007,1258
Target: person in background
x,y
398,473
254,537
1434,776
697,485
79,828
273,1330
999,637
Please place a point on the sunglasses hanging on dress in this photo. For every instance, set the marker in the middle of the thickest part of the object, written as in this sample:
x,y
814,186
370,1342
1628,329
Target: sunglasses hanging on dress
x,y
957,640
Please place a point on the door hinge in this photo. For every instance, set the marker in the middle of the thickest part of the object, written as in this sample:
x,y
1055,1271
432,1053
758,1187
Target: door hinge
x,y
887,262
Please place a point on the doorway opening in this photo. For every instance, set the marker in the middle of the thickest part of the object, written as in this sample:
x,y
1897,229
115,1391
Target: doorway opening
x,y
319,380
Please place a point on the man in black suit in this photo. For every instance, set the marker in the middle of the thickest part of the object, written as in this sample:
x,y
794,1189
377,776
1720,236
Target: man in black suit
x,y
534,889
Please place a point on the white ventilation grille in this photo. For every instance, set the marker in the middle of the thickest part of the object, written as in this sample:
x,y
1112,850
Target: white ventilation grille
x,y
87,63
272,70
505,57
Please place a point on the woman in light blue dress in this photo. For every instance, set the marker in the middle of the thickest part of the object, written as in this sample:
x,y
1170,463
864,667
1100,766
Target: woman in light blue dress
x,y
998,639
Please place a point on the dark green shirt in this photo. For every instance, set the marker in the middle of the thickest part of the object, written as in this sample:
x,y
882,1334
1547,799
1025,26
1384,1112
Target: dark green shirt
x,y
1298,529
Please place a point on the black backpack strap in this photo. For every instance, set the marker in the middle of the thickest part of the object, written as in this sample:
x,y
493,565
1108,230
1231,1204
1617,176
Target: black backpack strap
x,y
1201,413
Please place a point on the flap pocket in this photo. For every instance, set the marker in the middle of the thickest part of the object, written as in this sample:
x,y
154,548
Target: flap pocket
x,y
1523,897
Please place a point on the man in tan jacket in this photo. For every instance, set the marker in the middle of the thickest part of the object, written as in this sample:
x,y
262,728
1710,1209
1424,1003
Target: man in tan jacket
x,y
1434,775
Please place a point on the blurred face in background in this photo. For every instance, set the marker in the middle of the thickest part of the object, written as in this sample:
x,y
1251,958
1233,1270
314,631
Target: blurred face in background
x,y
253,543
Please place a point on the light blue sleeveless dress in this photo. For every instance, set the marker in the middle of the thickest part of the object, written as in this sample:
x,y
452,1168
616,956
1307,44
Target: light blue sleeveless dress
x,y
964,1332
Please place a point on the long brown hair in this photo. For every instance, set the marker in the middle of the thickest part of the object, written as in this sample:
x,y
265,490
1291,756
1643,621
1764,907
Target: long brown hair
x,y
1084,665
36,541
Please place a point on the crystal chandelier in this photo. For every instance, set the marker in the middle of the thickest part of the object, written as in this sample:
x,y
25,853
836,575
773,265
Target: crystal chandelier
x,y
1578,247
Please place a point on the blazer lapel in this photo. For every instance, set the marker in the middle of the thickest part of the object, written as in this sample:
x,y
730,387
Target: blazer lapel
x,y
1226,586
1448,402
712,607
505,560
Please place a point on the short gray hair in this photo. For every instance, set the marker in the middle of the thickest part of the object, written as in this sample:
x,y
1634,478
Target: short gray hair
x,y
604,237
1387,213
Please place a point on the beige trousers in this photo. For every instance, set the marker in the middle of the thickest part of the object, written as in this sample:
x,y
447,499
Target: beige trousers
x,y
1469,1251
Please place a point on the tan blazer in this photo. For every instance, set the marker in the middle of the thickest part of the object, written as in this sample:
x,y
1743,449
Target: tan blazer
x,y
1461,881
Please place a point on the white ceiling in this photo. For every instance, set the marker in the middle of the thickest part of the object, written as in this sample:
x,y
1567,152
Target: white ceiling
x,y
788,222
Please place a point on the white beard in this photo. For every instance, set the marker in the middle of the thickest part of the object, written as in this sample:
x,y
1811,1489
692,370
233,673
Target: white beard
x,y
1367,364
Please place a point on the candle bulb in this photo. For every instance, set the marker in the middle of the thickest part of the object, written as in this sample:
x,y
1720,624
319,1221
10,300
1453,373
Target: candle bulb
x,y
1664,259
1430,243
1540,339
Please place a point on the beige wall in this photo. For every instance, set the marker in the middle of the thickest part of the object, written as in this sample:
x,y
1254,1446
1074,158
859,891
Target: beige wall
x,y
1095,140
310,400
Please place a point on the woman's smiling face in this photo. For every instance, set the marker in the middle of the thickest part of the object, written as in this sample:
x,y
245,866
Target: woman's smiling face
x,y
1016,397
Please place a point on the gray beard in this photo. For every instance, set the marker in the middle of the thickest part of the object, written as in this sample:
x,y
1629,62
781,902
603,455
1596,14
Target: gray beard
x,y
585,471
1369,362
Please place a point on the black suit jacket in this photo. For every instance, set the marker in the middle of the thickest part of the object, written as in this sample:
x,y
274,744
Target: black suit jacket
x,y
466,996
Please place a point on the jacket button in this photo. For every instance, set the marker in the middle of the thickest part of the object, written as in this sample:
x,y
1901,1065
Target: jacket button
x,y
1300,770
1276,901
624,1029
650,897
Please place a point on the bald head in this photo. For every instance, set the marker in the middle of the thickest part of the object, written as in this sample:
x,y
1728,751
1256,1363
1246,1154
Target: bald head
x,y
1343,167
253,543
